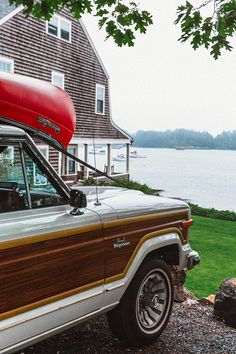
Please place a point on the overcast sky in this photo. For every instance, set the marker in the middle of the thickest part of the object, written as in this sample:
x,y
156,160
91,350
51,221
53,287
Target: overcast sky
x,y
161,84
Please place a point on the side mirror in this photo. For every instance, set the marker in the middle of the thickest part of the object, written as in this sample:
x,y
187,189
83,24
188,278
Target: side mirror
x,y
77,200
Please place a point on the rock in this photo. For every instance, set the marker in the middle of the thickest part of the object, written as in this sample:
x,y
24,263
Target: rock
x,y
179,293
190,302
209,300
179,277
225,302
189,294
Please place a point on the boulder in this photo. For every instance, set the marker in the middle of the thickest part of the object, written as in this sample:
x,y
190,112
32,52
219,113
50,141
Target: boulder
x,y
178,280
209,300
225,302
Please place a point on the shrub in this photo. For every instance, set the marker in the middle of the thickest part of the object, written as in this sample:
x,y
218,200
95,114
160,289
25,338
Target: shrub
x,y
135,185
195,209
123,184
213,213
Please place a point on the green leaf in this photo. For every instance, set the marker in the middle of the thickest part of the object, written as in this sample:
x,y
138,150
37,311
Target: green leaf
x,y
210,32
196,40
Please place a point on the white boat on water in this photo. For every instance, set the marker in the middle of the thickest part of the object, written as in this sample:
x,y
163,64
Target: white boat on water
x,y
119,157
135,155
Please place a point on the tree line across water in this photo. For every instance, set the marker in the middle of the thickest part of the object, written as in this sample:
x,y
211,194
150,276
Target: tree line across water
x,y
184,138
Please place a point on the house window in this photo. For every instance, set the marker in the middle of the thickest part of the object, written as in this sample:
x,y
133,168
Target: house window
x,y
58,79
65,30
44,151
100,99
7,154
6,65
59,27
71,164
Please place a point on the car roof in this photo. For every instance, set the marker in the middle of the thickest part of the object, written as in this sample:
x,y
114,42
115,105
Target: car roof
x,y
10,130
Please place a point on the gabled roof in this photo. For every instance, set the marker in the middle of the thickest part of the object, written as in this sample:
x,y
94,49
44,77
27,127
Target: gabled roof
x,y
7,12
5,8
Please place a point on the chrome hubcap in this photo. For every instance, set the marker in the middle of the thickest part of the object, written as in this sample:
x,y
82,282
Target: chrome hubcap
x,y
152,301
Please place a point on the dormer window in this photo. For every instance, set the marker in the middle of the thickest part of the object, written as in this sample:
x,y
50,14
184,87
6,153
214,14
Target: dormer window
x,y
59,27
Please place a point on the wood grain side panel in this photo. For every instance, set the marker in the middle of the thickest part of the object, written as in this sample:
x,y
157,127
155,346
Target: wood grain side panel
x,y
116,259
35,272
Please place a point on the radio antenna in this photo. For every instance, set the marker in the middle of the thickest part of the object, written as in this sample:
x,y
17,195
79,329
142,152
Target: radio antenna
x,y
95,168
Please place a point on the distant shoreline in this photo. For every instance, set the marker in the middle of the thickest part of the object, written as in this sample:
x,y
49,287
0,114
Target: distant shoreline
x,y
185,148
185,138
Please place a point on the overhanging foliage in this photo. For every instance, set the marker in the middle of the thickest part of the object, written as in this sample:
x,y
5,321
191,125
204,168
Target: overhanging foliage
x,y
122,19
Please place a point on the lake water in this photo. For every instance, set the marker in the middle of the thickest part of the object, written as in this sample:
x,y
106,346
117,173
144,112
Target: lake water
x,y
204,177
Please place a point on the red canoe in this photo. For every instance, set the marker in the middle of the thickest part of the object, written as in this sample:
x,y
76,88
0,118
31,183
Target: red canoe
x,y
37,106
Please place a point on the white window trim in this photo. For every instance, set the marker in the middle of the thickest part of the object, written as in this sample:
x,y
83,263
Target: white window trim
x,y
40,147
44,147
76,163
100,86
59,74
35,178
60,163
10,156
8,61
59,18
11,153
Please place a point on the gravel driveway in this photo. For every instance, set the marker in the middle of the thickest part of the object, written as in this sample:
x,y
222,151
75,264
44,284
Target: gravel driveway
x,y
192,328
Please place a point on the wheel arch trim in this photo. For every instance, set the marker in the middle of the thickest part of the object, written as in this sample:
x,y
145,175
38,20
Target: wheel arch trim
x,y
150,242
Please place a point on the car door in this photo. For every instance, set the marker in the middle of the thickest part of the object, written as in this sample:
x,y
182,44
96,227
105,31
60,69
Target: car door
x,y
47,256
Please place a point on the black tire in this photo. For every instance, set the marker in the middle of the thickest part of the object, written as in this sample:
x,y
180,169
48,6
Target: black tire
x,y
145,308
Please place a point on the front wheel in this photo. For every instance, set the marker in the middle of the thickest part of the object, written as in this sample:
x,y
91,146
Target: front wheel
x,y
145,308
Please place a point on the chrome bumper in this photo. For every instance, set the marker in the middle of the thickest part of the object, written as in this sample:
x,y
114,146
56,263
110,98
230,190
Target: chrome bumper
x,y
193,259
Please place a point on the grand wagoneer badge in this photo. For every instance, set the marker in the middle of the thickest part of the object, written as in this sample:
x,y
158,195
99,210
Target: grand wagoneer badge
x,y
121,242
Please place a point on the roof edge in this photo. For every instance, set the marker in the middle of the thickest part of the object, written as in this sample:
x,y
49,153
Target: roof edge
x,y
98,141
94,48
108,78
11,14
131,139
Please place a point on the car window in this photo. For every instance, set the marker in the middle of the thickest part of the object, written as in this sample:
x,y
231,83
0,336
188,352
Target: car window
x,y
16,186
12,184
42,191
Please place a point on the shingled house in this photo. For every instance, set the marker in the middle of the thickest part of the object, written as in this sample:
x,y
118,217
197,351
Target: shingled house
x,y
62,52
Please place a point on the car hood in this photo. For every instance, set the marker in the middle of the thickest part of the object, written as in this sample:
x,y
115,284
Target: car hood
x,y
128,202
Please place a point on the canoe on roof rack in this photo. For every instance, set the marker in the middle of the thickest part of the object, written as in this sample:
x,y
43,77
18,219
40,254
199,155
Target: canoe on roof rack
x,y
38,107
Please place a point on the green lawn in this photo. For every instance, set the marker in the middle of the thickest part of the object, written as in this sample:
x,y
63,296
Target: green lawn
x,y
215,240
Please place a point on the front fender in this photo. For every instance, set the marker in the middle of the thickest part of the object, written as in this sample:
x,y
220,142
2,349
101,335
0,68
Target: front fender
x,y
150,242
153,242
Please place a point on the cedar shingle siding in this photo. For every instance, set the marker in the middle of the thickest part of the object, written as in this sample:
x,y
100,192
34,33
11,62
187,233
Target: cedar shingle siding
x,y
54,158
37,54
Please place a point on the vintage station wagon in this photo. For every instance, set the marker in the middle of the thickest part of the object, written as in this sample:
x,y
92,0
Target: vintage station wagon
x,y
67,255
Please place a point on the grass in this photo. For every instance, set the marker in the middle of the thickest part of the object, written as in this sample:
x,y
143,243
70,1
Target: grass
x,y
215,240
